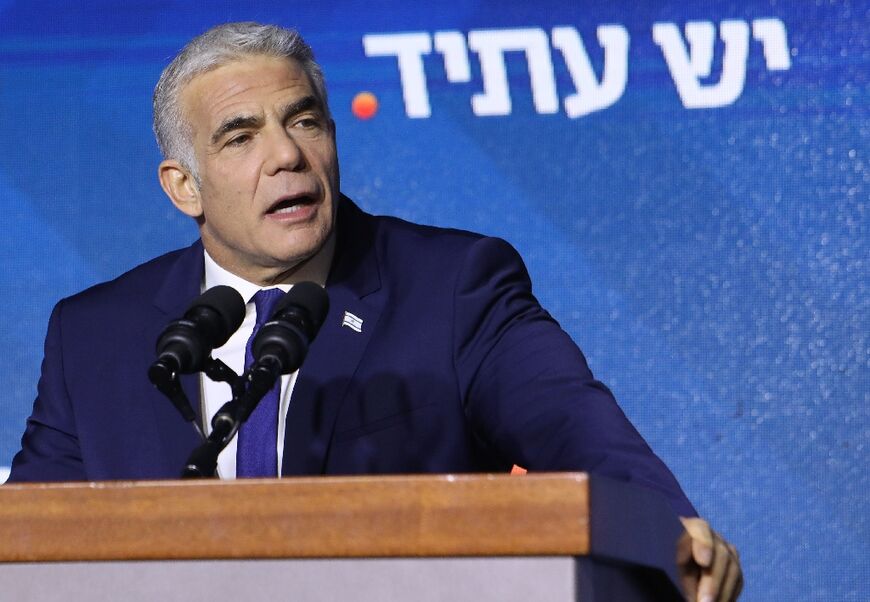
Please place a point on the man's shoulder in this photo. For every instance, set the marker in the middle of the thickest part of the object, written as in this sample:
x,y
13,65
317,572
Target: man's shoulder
x,y
444,248
406,246
134,286
398,230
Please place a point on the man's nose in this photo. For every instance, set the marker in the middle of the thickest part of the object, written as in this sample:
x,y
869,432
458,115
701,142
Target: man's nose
x,y
284,153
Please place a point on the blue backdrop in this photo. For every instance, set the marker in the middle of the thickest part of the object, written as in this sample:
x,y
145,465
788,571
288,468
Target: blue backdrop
x,y
687,181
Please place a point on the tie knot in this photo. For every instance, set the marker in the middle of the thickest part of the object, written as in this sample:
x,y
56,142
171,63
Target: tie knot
x,y
265,301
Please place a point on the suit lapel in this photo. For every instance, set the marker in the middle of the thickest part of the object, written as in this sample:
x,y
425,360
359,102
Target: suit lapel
x,y
355,296
181,285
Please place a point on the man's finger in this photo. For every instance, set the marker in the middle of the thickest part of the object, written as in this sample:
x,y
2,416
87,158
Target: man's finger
x,y
702,540
689,570
712,576
733,581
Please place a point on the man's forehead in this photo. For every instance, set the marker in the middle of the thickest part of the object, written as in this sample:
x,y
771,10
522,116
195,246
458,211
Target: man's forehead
x,y
248,80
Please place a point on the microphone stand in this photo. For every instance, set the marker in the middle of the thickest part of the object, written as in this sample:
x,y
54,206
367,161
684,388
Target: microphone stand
x,y
166,381
247,391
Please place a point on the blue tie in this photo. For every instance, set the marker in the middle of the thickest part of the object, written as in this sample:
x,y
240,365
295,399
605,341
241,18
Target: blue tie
x,y
257,455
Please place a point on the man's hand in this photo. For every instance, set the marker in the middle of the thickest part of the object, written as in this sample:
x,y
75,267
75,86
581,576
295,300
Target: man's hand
x,y
709,566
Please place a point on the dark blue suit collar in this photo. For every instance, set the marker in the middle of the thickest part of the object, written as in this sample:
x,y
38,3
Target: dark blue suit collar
x,y
355,265
182,283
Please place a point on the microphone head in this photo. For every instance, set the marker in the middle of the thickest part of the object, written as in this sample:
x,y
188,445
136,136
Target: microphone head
x,y
229,312
310,297
281,345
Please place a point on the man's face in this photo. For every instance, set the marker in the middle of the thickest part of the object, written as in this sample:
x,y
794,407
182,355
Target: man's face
x,y
268,169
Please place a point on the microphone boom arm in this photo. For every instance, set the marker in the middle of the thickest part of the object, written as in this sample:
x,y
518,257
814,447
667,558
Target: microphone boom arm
x,y
202,463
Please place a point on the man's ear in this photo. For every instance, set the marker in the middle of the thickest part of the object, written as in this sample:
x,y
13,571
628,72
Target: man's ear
x,y
180,186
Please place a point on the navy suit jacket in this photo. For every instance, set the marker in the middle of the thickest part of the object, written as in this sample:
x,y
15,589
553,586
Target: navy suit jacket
x,y
457,368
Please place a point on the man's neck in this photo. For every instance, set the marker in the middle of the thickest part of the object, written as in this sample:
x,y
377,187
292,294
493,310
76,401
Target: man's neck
x,y
314,269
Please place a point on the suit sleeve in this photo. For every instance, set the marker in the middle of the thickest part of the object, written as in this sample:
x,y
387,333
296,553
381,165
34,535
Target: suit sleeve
x,y
49,447
527,389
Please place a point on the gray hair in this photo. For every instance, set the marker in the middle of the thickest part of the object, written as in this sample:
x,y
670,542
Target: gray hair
x,y
215,48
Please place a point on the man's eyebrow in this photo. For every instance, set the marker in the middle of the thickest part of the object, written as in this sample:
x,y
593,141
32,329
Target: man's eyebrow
x,y
306,103
238,122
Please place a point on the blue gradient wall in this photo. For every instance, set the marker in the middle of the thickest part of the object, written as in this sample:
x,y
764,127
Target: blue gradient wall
x,y
711,259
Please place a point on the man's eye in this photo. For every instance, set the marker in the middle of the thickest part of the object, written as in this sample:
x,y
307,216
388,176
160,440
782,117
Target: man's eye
x,y
307,122
238,140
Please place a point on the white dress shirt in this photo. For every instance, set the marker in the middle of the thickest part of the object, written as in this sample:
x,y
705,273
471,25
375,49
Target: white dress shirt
x,y
214,395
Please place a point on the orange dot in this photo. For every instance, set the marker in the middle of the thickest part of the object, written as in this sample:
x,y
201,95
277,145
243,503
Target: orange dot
x,y
364,105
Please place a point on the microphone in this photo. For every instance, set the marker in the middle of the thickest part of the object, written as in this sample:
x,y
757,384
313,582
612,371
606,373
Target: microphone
x,y
297,318
208,323
184,344
281,344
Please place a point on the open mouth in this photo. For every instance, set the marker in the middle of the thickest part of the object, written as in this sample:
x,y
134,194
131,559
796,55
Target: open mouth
x,y
291,205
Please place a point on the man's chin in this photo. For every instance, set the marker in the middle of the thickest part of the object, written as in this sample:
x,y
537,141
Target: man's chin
x,y
306,262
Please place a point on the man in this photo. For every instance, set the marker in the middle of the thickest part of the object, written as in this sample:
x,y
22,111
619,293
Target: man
x,y
434,357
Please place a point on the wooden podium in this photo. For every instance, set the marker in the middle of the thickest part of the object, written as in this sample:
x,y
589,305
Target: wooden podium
x,y
560,536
